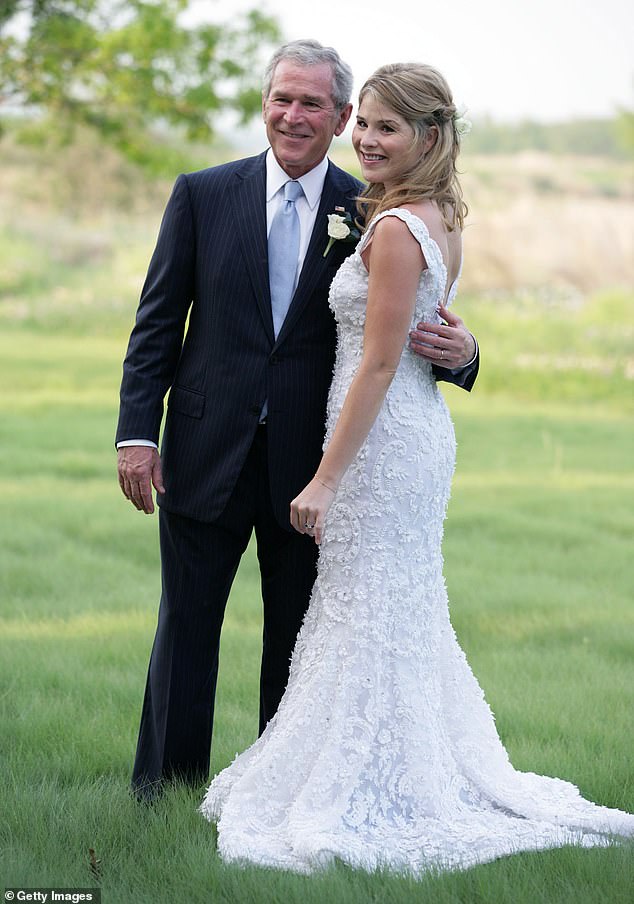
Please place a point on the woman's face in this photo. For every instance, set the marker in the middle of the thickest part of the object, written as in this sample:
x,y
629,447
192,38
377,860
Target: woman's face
x,y
384,143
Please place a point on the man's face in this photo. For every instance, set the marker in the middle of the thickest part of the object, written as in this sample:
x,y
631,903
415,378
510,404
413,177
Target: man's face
x,y
300,115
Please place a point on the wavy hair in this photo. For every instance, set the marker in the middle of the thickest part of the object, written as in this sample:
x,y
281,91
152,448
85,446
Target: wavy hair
x,y
312,53
421,95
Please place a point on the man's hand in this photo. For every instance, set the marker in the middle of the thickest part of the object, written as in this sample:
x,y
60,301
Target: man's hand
x,y
139,469
449,346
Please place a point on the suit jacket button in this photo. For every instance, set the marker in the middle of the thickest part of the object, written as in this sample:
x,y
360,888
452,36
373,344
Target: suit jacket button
x,y
273,359
255,409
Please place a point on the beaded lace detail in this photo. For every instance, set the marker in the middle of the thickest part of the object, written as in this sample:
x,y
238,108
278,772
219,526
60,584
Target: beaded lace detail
x,y
384,751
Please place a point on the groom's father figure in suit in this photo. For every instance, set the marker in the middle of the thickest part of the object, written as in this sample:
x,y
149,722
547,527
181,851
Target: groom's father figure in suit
x,y
247,382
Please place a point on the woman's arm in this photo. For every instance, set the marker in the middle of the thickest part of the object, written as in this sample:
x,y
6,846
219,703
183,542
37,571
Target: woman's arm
x,y
396,265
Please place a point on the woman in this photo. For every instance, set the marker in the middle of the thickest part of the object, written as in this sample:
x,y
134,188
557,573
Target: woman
x,y
384,751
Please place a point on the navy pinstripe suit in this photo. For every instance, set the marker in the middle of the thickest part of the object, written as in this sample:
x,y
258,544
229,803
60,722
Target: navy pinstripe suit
x,y
224,475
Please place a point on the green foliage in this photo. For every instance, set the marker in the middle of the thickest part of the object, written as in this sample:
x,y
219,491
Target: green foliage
x,y
587,137
123,67
624,131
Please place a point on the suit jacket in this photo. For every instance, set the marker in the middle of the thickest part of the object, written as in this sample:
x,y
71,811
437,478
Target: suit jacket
x,y
211,265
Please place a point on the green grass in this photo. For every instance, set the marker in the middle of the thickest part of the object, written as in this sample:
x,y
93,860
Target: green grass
x,y
537,548
556,348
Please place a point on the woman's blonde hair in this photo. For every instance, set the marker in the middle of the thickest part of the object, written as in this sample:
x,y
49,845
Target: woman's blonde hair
x,y
419,94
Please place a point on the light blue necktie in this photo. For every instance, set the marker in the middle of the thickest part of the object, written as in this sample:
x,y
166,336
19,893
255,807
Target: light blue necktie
x,y
284,254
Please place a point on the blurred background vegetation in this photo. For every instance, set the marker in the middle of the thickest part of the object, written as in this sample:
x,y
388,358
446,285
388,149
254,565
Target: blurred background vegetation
x,y
103,102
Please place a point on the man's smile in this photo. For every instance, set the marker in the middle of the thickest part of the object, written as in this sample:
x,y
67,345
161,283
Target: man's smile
x,y
288,134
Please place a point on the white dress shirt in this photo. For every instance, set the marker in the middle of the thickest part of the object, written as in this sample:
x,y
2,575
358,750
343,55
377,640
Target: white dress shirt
x,y
312,184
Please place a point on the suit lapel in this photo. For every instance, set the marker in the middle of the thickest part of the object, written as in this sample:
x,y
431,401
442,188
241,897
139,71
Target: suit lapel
x,y
335,193
250,218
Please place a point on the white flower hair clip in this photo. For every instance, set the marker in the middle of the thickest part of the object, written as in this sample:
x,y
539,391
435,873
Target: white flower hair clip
x,y
462,125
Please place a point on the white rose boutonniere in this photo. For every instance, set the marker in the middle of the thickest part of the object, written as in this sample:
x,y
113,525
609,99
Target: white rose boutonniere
x,y
337,226
341,229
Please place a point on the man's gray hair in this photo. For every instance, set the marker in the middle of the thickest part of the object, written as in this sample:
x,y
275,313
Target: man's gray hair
x,y
312,53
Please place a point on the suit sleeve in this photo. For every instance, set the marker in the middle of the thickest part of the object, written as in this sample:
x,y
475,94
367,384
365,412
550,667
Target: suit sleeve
x,y
464,377
156,340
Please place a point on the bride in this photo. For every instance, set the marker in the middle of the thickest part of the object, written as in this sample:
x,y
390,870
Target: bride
x,y
383,752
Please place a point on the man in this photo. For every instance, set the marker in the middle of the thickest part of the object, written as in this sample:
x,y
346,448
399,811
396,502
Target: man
x,y
248,388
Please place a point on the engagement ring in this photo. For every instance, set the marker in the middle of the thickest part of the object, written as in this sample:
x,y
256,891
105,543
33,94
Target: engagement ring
x,y
308,526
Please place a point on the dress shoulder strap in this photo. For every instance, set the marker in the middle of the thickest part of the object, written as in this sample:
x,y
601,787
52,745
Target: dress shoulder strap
x,y
419,230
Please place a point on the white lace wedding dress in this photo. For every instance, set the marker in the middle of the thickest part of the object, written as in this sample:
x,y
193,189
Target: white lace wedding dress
x,y
384,751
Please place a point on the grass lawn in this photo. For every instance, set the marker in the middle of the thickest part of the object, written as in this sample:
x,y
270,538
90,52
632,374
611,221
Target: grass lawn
x,y
538,564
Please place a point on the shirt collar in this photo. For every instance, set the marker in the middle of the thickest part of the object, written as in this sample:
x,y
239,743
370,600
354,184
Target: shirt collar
x,y
312,182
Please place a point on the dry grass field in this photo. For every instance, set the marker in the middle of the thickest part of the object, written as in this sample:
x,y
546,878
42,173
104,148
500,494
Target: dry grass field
x,y
559,229
561,226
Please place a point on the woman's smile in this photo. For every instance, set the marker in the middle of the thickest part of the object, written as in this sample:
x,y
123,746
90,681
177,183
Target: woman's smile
x,y
384,142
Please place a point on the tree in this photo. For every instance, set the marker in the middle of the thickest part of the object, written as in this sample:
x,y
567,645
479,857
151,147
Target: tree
x,y
123,66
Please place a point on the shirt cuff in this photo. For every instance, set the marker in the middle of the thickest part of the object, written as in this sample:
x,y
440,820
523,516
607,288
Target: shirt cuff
x,y
136,442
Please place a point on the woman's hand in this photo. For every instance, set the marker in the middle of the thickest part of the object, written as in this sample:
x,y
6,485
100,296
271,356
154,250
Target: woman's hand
x,y
309,509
